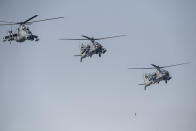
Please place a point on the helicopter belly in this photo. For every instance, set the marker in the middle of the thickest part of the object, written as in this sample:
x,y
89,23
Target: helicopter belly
x,y
20,39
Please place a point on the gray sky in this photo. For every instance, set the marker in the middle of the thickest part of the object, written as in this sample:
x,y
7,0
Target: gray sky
x,y
44,88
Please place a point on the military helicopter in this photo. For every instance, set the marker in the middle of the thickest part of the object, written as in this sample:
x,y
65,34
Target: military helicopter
x,y
22,33
159,75
93,47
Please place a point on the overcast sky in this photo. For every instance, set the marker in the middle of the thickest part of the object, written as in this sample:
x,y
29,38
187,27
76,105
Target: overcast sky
x,y
43,87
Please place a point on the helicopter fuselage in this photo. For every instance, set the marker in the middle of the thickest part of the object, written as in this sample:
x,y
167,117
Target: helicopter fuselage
x,y
159,75
91,49
20,35
156,77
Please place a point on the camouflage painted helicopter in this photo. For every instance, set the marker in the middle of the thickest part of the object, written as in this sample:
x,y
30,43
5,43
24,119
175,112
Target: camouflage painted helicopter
x,y
93,47
159,75
22,33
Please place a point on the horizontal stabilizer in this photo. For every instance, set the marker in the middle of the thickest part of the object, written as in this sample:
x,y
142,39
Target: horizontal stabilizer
x,y
143,85
77,55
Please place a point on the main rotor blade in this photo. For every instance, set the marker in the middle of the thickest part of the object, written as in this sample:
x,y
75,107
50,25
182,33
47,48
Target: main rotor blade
x,y
109,37
155,66
161,66
74,39
174,65
91,38
88,37
16,23
141,68
24,22
46,19
7,22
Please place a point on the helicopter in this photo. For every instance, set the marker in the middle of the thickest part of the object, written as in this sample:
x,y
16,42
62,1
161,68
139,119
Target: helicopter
x,y
93,47
23,32
159,75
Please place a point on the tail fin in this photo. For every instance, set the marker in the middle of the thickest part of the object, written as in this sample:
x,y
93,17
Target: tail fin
x,y
144,77
144,84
